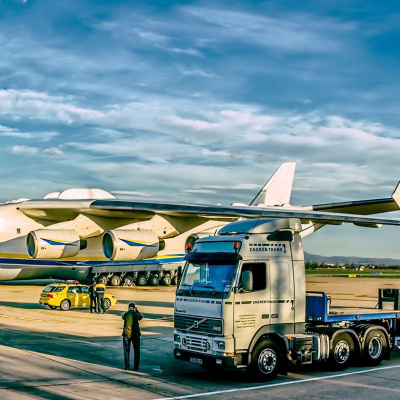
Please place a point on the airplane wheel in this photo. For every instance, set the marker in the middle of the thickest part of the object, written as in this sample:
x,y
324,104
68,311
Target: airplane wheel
x,y
154,280
115,280
166,280
128,280
102,279
65,305
174,280
141,280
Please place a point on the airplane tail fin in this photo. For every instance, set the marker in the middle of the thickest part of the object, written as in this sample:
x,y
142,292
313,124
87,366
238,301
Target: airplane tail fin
x,y
278,189
396,195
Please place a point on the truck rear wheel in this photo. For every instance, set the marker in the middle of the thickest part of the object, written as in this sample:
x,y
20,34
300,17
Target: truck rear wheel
x,y
375,347
115,280
265,360
342,351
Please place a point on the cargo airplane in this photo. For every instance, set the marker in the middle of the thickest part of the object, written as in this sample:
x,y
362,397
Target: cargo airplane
x,y
69,234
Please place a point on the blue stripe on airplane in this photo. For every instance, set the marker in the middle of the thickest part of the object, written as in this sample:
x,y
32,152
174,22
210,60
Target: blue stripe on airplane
x,y
33,262
59,243
136,244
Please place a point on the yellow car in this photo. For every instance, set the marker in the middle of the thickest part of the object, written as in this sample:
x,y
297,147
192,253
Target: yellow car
x,y
67,295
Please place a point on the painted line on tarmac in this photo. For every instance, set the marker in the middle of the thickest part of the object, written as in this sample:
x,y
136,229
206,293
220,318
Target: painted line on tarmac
x,y
34,319
271,385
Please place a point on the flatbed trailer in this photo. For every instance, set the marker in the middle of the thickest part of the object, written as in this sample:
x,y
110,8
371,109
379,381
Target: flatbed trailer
x,y
318,310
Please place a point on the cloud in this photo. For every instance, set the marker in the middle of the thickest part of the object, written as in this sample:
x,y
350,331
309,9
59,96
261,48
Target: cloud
x,y
197,73
53,151
24,150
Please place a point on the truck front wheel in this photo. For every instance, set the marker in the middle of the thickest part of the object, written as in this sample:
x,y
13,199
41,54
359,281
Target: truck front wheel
x,y
342,351
375,346
265,360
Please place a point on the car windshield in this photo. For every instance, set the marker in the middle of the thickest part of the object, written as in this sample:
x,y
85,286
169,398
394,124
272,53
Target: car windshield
x,y
207,278
51,288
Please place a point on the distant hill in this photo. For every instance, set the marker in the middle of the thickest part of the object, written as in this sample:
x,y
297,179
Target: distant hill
x,y
350,260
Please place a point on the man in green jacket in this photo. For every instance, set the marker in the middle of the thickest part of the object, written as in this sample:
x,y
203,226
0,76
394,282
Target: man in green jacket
x,y
131,335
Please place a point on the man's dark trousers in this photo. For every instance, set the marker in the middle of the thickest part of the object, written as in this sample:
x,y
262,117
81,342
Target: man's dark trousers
x,y
93,303
135,340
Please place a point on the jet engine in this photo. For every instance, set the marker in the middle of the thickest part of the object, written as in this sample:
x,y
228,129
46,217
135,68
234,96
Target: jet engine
x,y
53,243
130,245
194,237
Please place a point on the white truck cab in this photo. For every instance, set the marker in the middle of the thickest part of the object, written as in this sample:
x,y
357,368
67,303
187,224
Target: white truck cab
x,y
241,303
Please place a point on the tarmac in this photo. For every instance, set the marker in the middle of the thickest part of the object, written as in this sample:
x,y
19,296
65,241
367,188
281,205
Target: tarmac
x,y
51,354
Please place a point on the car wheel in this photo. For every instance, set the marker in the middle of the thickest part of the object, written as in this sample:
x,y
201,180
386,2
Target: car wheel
x,y
65,305
107,303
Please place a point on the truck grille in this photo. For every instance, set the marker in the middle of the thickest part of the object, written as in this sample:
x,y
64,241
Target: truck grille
x,y
197,344
199,324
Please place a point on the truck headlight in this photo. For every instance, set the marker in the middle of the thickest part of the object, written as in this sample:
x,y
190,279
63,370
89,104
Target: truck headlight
x,y
177,338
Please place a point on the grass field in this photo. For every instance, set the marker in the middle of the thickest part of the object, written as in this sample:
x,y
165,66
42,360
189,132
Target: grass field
x,y
382,273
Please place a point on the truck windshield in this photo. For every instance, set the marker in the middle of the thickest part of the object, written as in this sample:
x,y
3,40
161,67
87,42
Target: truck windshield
x,y
207,278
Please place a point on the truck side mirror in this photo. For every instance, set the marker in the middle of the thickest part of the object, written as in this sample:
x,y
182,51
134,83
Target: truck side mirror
x,y
247,281
179,275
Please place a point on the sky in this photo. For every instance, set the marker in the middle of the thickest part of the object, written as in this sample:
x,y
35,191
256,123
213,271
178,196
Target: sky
x,y
201,101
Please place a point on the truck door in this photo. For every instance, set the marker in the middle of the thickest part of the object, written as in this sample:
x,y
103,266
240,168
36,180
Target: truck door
x,y
251,309
282,296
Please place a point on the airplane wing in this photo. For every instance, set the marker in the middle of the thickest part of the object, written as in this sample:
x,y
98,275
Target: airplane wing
x,y
56,210
185,210
362,207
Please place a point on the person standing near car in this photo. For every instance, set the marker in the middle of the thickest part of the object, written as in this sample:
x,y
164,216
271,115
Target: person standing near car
x,y
93,297
131,335
100,289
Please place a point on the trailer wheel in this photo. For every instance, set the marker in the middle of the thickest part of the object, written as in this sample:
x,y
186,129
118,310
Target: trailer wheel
x,y
265,360
128,280
102,279
166,280
342,351
141,280
375,346
115,280
65,305
154,280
